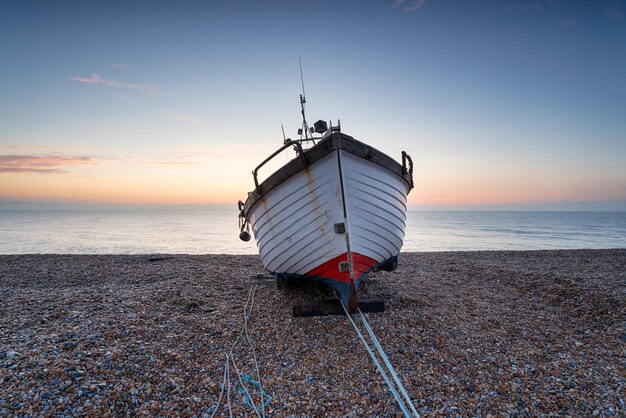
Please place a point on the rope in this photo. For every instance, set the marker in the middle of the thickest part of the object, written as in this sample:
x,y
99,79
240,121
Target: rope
x,y
230,359
380,350
380,368
265,398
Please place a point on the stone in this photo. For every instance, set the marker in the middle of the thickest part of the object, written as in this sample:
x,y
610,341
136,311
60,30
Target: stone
x,y
12,355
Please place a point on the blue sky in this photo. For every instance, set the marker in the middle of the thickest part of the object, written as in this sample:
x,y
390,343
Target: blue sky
x,y
501,103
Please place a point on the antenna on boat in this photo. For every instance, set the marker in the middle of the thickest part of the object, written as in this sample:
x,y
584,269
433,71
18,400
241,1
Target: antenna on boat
x,y
283,128
305,126
303,97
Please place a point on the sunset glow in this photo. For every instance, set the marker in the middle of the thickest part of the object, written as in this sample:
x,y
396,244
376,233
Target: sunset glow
x,y
498,104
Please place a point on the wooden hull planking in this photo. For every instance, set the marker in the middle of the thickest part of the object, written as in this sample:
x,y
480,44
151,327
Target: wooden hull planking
x,y
333,222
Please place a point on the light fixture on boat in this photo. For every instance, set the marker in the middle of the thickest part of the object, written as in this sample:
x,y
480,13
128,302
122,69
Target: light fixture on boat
x,y
320,126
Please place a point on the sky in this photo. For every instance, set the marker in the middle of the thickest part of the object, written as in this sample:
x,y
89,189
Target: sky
x,y
501,104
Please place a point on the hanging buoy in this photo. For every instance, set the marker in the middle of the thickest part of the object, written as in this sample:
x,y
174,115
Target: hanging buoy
x,y
244,236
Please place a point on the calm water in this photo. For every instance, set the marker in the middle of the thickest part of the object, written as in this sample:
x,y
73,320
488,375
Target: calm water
x,y
216,232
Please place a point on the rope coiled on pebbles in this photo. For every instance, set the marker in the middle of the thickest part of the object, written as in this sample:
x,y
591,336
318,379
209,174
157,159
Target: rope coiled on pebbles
x,y
401,402
230,359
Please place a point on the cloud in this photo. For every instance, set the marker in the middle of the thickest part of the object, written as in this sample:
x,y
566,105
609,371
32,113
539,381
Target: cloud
x,y
55,163
614,12
520,7
412,7
118,65
415,6
15,170
148,89
182,118
40,164
568,23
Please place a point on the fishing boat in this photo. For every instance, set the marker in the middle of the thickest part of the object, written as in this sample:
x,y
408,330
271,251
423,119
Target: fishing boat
x,y
334,213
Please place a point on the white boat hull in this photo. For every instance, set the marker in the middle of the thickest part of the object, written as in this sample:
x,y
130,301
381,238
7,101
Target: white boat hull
x,y
293,224
333,221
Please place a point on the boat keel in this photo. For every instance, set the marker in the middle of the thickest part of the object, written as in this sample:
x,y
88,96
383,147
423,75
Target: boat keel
x,y
353,302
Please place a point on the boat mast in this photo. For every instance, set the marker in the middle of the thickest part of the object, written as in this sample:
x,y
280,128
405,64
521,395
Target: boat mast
x,y
305,125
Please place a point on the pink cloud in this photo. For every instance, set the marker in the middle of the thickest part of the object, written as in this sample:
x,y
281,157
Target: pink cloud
x,y
148,89
41,164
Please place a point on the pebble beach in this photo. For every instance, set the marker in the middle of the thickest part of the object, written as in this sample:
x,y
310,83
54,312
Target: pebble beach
x,y
490,333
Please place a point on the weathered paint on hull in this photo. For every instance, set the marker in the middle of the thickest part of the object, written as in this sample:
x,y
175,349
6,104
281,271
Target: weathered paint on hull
x,y
294,223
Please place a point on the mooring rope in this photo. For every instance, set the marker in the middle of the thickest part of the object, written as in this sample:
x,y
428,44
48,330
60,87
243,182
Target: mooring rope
x,y
382,353
230,359
394,392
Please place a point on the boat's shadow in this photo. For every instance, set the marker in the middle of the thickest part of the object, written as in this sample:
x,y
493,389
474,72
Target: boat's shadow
x,y
305,295
301,290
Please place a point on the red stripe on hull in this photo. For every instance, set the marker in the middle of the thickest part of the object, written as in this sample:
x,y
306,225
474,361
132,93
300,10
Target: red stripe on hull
x,y
330,269
361,264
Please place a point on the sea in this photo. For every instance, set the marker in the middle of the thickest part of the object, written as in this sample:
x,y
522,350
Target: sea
x,y
215,231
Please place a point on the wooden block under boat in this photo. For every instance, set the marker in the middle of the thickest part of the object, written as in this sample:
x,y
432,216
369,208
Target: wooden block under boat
x,y
333,307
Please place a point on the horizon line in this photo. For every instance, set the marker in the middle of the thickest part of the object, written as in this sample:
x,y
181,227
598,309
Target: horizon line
x,y
588,206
